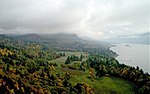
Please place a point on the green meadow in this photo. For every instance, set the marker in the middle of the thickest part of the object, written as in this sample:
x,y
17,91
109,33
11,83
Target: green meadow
x,y
103,85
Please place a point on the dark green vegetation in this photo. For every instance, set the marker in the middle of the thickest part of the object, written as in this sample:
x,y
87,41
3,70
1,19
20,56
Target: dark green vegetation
x,y
31,64
66,42
108,66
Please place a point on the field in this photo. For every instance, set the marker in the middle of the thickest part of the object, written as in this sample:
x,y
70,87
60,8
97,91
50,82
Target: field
x,y
32,64
104,85
62,59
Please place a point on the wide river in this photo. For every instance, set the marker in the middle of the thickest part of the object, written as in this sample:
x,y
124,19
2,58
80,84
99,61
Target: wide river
x,y
133,55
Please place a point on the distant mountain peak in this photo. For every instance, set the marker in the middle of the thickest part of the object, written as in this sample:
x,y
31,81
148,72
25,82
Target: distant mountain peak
x,y
62,36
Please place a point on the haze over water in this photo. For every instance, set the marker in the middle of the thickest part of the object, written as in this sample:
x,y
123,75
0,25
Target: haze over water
x,y
134,55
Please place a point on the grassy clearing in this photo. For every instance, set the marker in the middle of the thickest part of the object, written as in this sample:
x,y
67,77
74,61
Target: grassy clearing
x,y
62,59
59,60
104,85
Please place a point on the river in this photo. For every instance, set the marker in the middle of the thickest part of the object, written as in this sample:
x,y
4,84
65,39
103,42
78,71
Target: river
x,y
133,55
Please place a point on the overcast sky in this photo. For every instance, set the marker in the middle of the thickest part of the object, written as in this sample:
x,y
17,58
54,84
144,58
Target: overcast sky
x,y
98,19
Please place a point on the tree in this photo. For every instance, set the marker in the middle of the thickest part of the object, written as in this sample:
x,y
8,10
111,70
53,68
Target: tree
x,y
92,74
101,71
68,61
81,56
83,89
63,53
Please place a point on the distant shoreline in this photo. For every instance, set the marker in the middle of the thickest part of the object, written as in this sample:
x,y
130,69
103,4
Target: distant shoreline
x,y
133,56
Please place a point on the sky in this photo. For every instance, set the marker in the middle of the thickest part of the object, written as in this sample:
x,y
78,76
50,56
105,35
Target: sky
x,y
96,19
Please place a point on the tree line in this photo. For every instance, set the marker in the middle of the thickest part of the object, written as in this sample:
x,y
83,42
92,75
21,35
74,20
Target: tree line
x,y
25,69
109,66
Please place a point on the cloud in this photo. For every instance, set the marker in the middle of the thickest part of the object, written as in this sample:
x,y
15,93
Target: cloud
x,y
98,19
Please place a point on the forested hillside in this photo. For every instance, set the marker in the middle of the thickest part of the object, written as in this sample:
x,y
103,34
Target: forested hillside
x,y
33,64
66,42
25,69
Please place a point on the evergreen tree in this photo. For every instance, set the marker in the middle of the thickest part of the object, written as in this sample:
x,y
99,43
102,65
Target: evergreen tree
x,y
68,61
64,54
81,56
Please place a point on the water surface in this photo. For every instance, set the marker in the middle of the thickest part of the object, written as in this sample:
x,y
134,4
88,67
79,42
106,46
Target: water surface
x,y
133,55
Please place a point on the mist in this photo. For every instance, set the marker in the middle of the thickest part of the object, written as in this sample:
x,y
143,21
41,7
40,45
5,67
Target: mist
x,y
96,19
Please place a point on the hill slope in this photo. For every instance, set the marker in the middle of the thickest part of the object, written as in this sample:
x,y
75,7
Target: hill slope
x,y
138,39
66,42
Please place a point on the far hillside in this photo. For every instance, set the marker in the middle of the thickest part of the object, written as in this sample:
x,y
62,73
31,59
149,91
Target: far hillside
x,y
143,38
66,42
31,67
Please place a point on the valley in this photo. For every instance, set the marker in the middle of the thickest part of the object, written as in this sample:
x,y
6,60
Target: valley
x,y
73,67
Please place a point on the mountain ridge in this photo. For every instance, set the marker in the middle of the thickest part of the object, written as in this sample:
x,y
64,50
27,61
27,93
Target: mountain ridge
x,y
143,38
65,42
37,37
